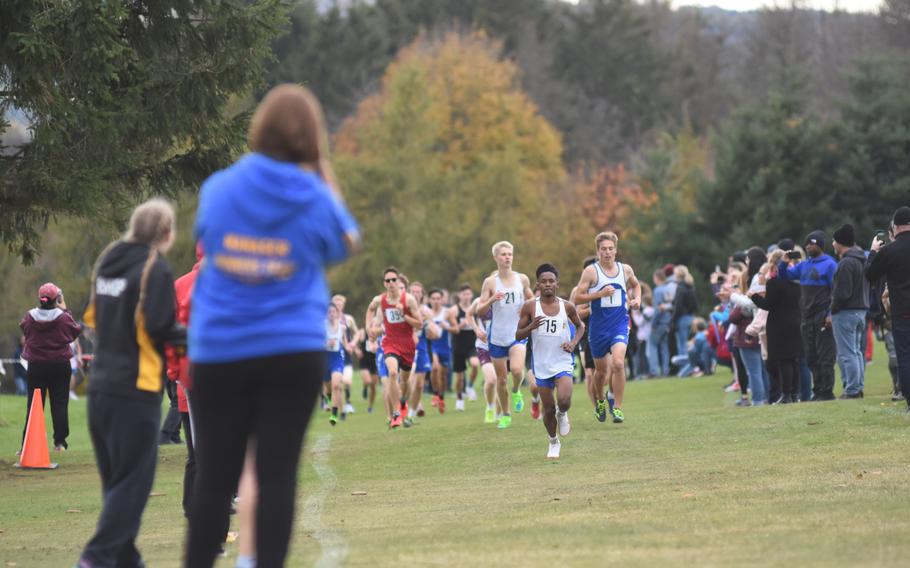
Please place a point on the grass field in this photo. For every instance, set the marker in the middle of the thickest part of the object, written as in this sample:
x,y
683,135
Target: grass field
x,y
689,479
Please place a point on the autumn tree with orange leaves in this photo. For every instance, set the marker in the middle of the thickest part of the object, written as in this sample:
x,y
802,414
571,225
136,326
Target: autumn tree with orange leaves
x,y
447,158
607,196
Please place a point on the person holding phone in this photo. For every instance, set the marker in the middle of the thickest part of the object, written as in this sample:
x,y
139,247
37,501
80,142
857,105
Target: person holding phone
x,y
269,224
891,262
49,329
816,279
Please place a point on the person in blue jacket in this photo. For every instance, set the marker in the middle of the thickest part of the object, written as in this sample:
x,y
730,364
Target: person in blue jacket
x,y
816,280
269,225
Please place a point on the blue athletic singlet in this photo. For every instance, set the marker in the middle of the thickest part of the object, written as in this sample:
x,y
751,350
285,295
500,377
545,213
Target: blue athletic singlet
x,y
422,362
609,315
441,344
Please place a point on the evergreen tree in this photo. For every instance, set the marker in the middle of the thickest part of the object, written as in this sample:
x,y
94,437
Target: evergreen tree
x,y
874,176
608,50
776,172
120,99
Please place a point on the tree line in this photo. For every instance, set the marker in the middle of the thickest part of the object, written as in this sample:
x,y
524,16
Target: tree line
x,y
691,132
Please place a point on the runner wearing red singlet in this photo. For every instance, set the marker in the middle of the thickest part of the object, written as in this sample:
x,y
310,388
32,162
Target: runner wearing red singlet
x,y
400,317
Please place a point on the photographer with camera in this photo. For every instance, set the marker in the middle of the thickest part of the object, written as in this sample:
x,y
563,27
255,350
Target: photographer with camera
x,y
892,262
816,280
133,310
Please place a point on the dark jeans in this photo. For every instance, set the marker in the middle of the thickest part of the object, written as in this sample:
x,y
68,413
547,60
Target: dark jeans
x,y
818,342
900,328
53,378
124,433
269,399
805,379
170,429
741,374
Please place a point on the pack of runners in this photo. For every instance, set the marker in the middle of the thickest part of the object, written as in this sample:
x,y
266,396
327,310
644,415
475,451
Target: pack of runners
x,y
512,328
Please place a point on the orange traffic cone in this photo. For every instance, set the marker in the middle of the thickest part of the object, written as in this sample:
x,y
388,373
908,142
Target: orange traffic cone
x,y
35,454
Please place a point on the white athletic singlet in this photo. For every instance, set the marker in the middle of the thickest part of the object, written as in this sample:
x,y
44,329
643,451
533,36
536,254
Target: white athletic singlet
x,y
506,312
334,339
548,356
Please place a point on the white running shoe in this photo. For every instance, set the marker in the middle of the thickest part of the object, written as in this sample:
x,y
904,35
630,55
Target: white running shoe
x,y
73,395
553,452
348,408
459,405
472,394
562,419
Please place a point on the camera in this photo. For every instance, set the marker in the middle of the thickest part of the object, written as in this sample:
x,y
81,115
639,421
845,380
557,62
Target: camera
x,y
794,255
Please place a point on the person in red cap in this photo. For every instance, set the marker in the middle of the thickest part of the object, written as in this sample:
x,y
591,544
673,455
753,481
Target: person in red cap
x,y
49,329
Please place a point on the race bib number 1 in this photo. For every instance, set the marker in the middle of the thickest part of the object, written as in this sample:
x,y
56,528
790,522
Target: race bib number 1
x,y
614,301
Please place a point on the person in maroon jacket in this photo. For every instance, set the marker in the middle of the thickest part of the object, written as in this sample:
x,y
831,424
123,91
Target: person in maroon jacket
x,y
49,329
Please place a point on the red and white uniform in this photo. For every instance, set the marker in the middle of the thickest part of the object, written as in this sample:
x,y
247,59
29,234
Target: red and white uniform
x,y
398,337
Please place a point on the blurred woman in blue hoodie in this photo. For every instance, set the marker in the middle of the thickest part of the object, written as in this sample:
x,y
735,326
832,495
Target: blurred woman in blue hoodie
x,y
269,224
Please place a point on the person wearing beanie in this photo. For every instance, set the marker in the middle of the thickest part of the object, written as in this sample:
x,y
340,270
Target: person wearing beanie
x,y
49,329
816,279
891,263
849,306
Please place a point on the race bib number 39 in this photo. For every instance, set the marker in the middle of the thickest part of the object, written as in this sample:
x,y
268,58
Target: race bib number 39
x,y
394,315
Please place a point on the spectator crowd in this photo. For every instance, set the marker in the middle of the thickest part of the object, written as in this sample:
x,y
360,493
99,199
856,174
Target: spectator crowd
x,y
786,315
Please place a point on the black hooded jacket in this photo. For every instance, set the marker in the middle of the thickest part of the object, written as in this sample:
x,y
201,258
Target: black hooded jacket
x,y
892,262
129,350
851,289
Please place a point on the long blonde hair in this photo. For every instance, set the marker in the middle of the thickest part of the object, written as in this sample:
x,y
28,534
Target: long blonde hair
x,y
152,223
682,274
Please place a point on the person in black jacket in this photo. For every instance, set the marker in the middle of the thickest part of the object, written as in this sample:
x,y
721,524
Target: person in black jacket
x,y
892,262
785,346
684,307
849,306
132,308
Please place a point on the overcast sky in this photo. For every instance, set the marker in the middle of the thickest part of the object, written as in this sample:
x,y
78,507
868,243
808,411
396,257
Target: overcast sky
x,y
743,5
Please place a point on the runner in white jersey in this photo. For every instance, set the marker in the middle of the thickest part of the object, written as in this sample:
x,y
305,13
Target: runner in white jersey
x,y
612,290
547,321
481,325
352,350
505,291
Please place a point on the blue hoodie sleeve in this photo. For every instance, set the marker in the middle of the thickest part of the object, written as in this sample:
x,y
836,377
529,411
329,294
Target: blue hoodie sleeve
x,y
789,273
339,224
